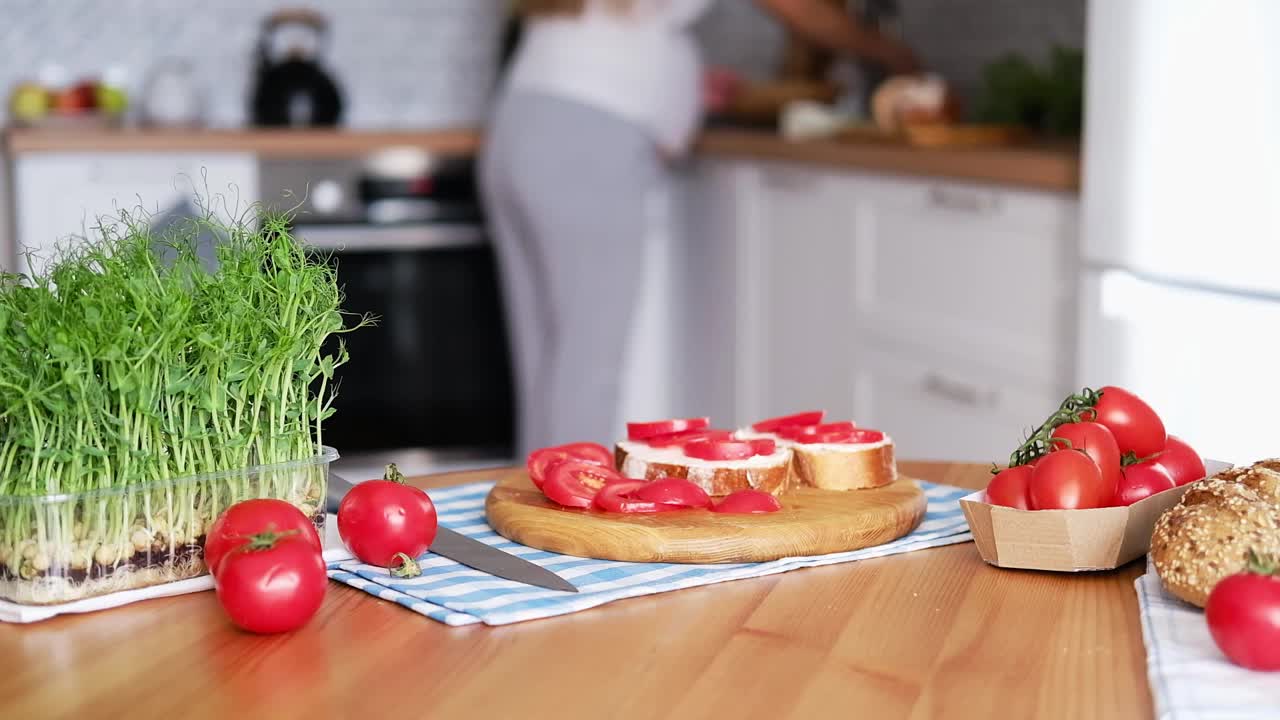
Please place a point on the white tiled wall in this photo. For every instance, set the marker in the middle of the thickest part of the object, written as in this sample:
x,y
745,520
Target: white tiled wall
x,y
416,63
401,63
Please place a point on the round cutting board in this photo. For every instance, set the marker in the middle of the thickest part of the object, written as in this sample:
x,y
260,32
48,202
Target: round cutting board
x,y
811,522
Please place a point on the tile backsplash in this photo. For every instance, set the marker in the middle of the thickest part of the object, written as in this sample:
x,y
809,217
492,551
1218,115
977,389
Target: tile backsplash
x,y
432,63
400,63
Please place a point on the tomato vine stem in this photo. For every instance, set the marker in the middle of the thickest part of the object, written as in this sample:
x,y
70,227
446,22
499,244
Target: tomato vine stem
x,y
1073,409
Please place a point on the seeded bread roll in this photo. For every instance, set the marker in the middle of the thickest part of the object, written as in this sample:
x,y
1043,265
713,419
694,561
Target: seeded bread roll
x,y
1217,490
1210,533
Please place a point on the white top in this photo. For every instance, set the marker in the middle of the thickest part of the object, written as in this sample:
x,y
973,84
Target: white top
x,y
642,64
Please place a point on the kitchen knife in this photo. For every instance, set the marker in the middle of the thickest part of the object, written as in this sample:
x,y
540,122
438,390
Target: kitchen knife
x,y
472,553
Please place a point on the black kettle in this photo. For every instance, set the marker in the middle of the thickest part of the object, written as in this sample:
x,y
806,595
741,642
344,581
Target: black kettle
x,y
294,90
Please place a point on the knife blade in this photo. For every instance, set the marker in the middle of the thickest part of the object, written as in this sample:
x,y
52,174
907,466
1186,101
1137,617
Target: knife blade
x,y
472,553
475,554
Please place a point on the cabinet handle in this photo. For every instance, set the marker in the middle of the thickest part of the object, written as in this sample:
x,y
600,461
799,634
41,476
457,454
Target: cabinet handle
x,y
958,392
787,179
964,200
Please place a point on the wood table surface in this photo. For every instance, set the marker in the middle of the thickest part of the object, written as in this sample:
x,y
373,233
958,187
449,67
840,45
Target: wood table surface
x,y
929,634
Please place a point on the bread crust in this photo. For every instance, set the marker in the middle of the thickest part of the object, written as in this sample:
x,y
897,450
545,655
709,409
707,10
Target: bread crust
x,y
714,480
853,467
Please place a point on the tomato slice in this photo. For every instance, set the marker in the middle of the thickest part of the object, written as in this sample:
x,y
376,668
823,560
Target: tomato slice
x,y
539,462
812,417
748,501
681,438
763,446
719,450
589,452
842,437
617,497
642,430
798,431
672,491
573,483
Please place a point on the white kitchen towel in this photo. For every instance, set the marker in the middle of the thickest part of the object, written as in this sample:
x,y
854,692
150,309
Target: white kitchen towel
x,y
15,613
1190,678
457,595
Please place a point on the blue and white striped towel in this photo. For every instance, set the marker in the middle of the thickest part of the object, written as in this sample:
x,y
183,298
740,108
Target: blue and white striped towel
x,y
1190,678
457,595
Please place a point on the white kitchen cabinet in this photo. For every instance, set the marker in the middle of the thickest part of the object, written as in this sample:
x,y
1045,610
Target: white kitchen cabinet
x,y
943,311
61,195
967,269
798,279
939,407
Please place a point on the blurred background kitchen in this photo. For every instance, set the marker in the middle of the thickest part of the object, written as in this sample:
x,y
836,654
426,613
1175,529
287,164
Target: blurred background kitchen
x,y
944,257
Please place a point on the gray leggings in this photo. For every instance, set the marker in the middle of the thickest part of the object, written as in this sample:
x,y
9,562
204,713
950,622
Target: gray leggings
x,y
565,189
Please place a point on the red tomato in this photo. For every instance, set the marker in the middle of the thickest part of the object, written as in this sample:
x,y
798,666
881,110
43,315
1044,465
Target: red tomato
x,y
748,501
273,583
763,446
798,431
539,462
718,450
1098,443
1067,480
589,452
1182,462
640,431
379,519
616,497
812,417
574,484
672,491
843,437
234,526
1009,487
681,438
1140,481
1243,613
1134,424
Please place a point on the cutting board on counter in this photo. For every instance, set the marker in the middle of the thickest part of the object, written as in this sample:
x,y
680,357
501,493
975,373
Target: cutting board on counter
x,y
938,135
811,522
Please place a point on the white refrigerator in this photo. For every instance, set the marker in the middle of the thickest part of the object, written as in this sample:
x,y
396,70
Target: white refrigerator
x,y
1180,281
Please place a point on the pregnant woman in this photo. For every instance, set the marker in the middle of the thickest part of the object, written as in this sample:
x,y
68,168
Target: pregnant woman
x,y
600,95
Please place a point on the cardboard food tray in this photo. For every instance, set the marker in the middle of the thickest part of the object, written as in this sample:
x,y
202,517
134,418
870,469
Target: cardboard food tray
x,y
1068,540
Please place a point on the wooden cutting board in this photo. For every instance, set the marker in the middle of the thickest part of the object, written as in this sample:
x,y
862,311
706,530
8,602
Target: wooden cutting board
x,y
811,522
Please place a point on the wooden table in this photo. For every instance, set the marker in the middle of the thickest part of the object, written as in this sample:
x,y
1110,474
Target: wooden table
x,y
935,633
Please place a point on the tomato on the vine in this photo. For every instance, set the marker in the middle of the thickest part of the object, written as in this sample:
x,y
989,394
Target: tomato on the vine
x,y
1067,480
1182,462
1096,441
1009,487
1142,480
249,517
272,583
1136,427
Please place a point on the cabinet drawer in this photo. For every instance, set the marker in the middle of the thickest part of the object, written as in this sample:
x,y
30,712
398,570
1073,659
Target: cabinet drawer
x,y
953,269
937,408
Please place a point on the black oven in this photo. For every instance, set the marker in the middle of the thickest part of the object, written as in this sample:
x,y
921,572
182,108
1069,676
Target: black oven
x,y
432,378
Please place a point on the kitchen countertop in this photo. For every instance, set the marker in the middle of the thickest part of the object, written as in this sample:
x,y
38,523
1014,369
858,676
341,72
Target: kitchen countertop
x,y
934,633
271,143
1036,166
1032,166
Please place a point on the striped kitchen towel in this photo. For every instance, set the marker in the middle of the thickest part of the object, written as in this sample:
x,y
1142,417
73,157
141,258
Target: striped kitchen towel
x,y
457,595
1190,678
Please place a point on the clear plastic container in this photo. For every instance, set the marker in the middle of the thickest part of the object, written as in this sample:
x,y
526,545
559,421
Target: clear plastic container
x,y
57,548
